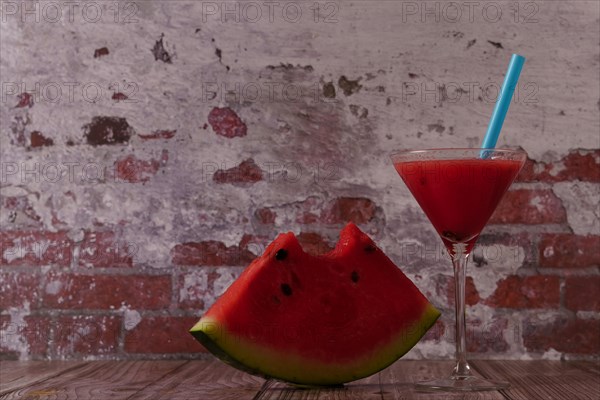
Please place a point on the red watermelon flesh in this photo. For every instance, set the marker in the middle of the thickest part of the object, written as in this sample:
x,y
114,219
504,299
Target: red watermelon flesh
x,y
317,320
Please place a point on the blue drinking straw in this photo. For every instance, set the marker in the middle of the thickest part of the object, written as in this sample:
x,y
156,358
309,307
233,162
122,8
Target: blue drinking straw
x,y
505,96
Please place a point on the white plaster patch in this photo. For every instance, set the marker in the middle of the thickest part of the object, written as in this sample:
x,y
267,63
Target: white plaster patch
x,y
195,285
582,202
588,315
225,279
501,260
557,168
82,332
77,235
131,319
147,250
551,355
12,254
53,287
431,350
538,168
11,337
538,203
13,191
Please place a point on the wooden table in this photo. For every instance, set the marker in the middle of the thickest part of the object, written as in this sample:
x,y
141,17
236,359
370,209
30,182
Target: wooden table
x,y
212,380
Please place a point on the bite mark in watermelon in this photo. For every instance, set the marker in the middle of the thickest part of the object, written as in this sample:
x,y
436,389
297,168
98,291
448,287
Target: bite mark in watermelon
x,y
317,320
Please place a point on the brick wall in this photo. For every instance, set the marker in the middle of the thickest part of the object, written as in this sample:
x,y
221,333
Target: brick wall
x,y
150,152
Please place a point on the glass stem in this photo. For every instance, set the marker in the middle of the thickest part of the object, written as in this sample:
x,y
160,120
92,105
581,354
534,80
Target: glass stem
x,y
462,369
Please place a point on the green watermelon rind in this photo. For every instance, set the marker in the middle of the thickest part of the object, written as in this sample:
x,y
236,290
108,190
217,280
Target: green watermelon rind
x,y
261,361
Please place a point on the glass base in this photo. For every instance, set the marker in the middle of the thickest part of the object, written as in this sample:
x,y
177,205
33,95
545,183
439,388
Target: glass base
x,y
462,384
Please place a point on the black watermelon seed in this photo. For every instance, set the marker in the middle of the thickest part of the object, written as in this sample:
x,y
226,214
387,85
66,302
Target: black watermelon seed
x,y
370,248
354,276
281,254
286,289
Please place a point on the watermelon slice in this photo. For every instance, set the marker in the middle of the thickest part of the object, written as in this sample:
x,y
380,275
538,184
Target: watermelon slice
x,y
317,320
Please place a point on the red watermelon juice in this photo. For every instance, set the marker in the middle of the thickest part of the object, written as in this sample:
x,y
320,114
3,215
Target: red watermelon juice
x,y
458,196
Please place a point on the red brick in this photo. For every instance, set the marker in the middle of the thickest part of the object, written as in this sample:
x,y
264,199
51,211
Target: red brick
x,y
70,291
103,249
39,140
118,96
104,130
524,206
576,336
35,248
344,209
210,253
18,289
102,51
81,335
583,165
134,170
582,293
31,335
25,100
160,335
225,122
487,336
563,250
445,288
245,173
471,293
159,134
526,292
313,243
265,216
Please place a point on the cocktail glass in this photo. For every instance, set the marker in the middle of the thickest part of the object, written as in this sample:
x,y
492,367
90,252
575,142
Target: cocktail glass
x,y
459,189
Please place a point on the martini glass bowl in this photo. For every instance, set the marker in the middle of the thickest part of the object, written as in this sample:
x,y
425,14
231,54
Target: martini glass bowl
x,y
458,190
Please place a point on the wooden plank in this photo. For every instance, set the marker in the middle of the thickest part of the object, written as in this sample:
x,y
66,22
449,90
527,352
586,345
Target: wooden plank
x,y
98,380
213,380
20,374
203,379
400,378
541,379
590,366
363,389
393,383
